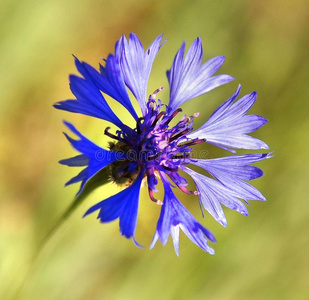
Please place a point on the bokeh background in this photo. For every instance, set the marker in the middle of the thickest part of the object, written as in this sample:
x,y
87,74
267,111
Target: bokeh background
x,y
263,256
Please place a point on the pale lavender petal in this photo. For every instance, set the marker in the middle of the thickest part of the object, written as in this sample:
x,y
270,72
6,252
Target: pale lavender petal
x,y
174,216
228,125
189,79
212,194
136,65
231,171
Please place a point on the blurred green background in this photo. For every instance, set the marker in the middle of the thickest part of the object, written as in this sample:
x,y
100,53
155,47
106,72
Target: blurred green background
x,y
263,256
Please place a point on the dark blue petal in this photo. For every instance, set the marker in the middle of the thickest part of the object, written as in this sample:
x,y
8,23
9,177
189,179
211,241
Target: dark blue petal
x,y
98,158
123,205
189,79
79,107
89,101
228,125
76,161
81,176
110,81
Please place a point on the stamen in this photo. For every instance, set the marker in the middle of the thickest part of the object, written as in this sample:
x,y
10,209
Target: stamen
x,y
185,190
170,169
196,115
188,155
188,119
192,143
185,121
138,125
153,157
162,113
176,112
154,94
111,135
176,136
159,202
173,115
177,179
151,103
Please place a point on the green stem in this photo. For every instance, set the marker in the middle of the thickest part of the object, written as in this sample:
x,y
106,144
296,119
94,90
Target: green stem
x,y
99,179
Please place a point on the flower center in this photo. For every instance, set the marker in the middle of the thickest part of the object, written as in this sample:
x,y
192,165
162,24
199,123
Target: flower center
x,y
154,147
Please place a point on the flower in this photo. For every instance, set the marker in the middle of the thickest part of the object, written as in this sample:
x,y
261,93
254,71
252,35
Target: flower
x,y
155,150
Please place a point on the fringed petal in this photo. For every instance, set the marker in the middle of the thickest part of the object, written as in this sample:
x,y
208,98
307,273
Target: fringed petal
x,y
136,65
228,125
212,194
97,157
174,216
189,79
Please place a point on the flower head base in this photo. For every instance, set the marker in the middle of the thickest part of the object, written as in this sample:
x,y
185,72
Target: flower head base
x,y
156,150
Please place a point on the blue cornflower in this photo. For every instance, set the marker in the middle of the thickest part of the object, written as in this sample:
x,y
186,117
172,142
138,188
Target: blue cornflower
x,y
154,150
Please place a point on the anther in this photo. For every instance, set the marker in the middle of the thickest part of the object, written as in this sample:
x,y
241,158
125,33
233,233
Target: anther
x,y
170,169
153,157
188,155
192,143
185,190
189,119
173,115
154,94
176,136
162,113
158,202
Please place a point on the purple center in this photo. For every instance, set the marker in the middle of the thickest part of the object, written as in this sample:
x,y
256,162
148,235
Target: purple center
x,y
154,147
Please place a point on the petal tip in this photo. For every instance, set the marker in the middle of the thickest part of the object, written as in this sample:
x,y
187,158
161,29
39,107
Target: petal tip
x,y
244,213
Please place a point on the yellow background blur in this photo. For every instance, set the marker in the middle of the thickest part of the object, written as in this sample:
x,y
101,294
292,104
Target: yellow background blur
x,y
263,256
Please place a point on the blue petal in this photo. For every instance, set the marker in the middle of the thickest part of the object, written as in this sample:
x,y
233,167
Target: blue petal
x,y
136,65
123,205
189,79
228,125
98,158
89,101
174,216
79,107
212,193
110,81
76,161
81,176
231,171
